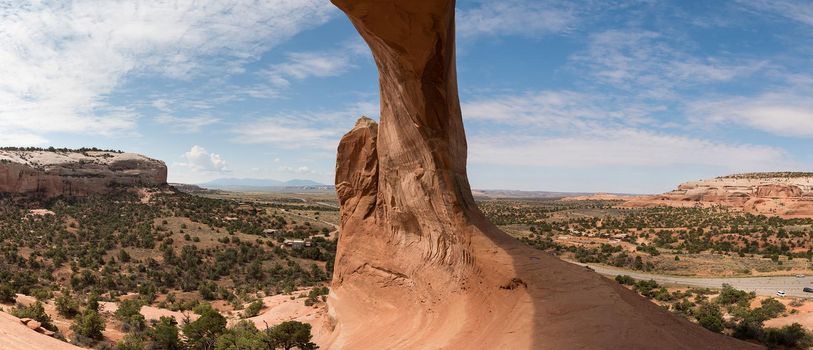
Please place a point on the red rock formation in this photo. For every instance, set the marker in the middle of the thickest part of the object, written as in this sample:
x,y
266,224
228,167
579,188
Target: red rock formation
x,y
783,194
778,191
357,175
59,173
418,266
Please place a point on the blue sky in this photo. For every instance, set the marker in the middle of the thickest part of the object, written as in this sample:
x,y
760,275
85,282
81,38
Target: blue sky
x,y
619,96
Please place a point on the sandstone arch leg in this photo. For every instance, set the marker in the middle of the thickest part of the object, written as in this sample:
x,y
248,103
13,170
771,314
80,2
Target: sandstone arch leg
x,y
418,266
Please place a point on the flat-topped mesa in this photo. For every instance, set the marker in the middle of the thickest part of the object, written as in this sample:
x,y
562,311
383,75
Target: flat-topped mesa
x,y
776,184
76,173
769,175
786,194
417,264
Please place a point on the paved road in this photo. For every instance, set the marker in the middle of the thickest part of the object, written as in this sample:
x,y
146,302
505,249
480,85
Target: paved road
x,y
766,286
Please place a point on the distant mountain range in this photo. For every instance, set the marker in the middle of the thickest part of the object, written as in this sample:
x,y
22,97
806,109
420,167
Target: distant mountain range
x,y
234,183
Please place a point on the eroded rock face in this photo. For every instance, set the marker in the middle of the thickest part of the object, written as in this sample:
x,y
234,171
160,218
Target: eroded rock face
x,y
782,194
76,173
418,265
778,191
357,171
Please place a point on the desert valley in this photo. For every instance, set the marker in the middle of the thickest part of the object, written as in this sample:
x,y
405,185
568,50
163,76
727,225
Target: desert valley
x,y
175,254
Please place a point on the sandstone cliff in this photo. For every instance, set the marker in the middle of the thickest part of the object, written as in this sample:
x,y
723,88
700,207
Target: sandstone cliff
x,y
418,266
783,194
74,173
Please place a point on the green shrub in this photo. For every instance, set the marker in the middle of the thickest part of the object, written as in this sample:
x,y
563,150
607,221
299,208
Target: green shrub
x,y
709,316
243,336
67,306
792,336
36,312
254,308
730,295
127,309
203,332
646,288
772,308
165,334
290,334
625,280
131,342
89,324
7,294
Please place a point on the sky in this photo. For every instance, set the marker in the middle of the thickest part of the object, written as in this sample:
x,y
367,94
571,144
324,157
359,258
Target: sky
x,y
582,96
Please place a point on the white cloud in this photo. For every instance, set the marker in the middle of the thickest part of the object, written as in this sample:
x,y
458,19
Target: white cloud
x,y
315,130
624,147
319,64
301,65
650,64
185,125
200,160
555,110
285,134
162,105
59,60
801,11
301,170
21,139
568,129
780,114
516,17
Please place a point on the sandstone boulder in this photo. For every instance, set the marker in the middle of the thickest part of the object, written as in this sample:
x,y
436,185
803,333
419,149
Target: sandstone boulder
x,y
33,325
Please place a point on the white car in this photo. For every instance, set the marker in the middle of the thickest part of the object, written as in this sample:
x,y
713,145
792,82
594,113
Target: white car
x,y
780,293
800,276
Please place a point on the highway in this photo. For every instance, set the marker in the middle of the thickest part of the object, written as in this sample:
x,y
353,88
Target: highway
x,y
766,286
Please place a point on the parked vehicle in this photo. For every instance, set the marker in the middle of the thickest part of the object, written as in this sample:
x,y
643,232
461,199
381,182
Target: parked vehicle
x,y
807,290
780,293
800,276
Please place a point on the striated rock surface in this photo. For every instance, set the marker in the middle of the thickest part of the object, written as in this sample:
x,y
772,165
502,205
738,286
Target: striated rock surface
x,y
785,194
16,335
418,266
74,173
357,173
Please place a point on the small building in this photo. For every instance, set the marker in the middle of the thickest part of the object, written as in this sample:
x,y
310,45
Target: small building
x,y
247,208
294,243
